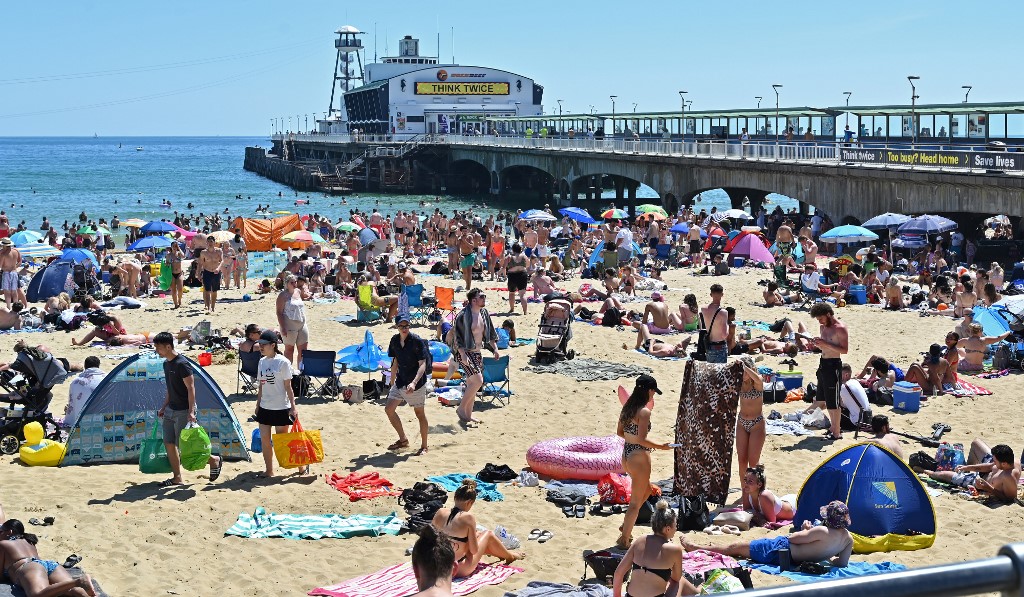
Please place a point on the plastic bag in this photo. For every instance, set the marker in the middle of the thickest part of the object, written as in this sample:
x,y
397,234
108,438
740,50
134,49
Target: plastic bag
x,y
153,456
816,419
614,489
721,581
298,447
194,447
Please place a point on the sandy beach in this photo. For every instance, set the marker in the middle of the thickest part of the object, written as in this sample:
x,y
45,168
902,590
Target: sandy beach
x,y
139,539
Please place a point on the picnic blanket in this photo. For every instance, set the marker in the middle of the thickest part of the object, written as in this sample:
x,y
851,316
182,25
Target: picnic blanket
x,y
755,325
851,570
540,588
399,580
262,524
363,486
585,488
589,369
964,388
484,490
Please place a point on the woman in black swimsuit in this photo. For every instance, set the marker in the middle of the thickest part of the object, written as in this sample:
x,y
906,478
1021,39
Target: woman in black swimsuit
x,y
656,563
460,526
173,260
517,278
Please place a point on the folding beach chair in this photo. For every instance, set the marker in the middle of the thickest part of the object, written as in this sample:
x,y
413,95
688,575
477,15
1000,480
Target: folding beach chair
x,y
248,372
319,368
496,381
365,309
445,301
610,259
810,296
663,254
418,309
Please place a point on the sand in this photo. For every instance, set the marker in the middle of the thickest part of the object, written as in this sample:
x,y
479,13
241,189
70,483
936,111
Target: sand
x,y
138,539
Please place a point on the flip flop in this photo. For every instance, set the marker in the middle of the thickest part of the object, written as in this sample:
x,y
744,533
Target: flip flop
x,y
581,511
545,536
399,445
731,530
713,530
215,470
168,483
569,511
828,435
72,561
535,534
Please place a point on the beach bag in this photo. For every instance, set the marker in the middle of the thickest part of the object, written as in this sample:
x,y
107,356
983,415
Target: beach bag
x,y
611,318
603,563
194,447
923,461
721,581
737,518
153,456
949,456
614,489
693,514
496,473
298,447
352,394
421,503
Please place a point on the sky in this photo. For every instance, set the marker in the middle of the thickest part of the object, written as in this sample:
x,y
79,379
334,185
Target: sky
x,y
228,67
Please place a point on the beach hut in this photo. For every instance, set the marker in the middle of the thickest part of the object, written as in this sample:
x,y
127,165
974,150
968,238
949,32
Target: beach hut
x,y
889,507
121,413
54,278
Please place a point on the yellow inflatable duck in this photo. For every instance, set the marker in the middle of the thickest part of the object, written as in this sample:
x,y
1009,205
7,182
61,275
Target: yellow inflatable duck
x,y
38,451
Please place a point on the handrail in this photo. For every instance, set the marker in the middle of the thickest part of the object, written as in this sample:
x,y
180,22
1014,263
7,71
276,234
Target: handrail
x,y
1003,573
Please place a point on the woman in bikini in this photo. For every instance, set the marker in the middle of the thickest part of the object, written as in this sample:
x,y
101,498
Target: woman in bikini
x,y
241,268
750,425
953,356
634,425
975,347
460,525
653,562
173,261
106,328
766,506
688,313
21,565
495,250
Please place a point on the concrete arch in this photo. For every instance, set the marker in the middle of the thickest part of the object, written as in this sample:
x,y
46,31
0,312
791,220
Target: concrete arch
x,y
468,176
529,178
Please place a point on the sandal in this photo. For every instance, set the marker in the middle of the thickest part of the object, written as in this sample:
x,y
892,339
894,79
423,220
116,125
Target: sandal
x,y
215,470
713,530
545,536
535,534
72,561
170,483
731,530
580,510
402,443
828,435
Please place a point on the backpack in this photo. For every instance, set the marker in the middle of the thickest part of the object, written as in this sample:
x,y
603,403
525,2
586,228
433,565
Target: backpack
x,y
421,503
924,461
611,318
704,338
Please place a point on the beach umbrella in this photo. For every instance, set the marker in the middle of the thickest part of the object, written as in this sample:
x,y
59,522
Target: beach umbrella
x,y
150,242
680,228
222,236
849,234
909,242
102,230
927,224
80,255
648,208
716,217
25,237
886,220
86,230
575,213
159,226
134,223
614,214
651,215
737,214
38,251
348,227
533,215
303,236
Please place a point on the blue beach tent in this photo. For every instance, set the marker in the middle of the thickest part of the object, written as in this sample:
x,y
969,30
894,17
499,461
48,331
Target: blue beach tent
x,y
889,507
595,256
55,277
121,412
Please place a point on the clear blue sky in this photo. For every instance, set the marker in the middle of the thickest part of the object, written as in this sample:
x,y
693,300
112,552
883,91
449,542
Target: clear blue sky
x,y
238,64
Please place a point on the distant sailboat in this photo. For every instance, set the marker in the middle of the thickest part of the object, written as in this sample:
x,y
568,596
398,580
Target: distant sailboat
x,y
95,136
139,148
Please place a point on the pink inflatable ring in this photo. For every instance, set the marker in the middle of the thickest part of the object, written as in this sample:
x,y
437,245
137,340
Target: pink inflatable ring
x,y
588,458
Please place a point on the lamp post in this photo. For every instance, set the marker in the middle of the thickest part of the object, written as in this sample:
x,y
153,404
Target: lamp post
x,y
289,123
613,114
758,98
776,87
634,107
847,94
682,115
913,108
559,107
517,108
968,93
307,123
273,129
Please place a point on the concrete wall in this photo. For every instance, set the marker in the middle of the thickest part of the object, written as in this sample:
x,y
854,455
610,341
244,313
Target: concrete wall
x,y
294,175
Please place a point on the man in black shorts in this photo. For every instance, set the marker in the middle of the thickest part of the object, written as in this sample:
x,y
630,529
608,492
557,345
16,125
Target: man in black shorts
x,y
833,343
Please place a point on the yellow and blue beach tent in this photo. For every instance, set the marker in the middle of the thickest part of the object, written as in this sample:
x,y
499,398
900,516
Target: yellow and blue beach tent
x,y
889,507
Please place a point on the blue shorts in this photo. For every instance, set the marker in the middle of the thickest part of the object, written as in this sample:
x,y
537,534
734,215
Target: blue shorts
x,y
766,551
718,354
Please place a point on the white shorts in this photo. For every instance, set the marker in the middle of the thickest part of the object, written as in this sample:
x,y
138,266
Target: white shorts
x,y
542,250
416,399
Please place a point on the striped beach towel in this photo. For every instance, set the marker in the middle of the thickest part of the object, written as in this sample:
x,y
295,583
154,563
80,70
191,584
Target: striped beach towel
x,y
399,580
964,388
262,524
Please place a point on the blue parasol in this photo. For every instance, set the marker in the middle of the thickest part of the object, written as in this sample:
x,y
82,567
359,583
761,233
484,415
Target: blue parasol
x,y
927,224
849,234
536,214
886,220
578,214
158,226
150,242
80,255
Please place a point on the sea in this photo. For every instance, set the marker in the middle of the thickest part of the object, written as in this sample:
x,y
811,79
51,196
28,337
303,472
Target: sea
x,y
131,177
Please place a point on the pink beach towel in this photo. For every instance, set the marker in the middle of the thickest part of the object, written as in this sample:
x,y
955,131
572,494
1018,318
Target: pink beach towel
x,y
399,580
700,561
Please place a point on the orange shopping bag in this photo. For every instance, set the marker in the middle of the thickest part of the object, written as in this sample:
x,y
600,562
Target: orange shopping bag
x,y
298,447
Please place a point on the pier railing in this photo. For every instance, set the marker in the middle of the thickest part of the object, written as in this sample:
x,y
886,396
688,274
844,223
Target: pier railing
x,y
896,157
1002,574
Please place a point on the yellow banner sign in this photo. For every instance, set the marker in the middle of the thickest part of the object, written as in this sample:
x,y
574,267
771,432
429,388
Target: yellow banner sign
x,y
461,88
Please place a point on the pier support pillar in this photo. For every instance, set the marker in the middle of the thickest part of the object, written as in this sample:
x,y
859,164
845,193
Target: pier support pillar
x,y
620,189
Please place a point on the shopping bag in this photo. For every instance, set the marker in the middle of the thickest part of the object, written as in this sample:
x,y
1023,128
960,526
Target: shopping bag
x,y
194,447
298,447
614,489
153,456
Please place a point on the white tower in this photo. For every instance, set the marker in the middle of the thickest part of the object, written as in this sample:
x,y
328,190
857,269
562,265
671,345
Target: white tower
x,y
348,66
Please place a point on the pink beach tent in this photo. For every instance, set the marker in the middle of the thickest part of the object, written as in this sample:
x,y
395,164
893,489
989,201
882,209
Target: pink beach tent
x,y
751,248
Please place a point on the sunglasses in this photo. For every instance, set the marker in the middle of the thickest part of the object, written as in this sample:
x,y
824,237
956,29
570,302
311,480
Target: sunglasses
x,y
403,326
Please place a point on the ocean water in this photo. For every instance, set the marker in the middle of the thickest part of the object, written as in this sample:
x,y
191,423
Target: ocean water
x,y
61,176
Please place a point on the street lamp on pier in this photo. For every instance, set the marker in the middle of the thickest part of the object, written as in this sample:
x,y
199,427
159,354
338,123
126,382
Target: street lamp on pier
x,y
682,116
776,87
913,107
559,107
847,94
634,107
613,113
758,98
968,88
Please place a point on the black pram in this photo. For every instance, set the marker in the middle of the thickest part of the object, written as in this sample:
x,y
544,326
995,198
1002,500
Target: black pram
x,y
29,382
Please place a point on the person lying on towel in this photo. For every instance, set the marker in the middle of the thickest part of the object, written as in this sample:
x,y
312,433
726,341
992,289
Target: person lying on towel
x,y
989,471
831,540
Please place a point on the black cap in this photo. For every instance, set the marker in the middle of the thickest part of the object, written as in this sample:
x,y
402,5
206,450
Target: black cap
x,y
268,337
648,383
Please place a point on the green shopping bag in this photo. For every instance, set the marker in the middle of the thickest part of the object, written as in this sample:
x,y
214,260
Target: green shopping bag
x,y
165,276
153,457
194,447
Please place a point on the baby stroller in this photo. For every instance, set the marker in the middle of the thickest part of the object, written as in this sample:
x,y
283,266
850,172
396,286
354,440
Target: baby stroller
x,y
29,382
555,331
85,280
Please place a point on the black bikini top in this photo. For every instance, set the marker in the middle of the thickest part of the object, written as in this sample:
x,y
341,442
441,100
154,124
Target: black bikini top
x,y
664,573
451,516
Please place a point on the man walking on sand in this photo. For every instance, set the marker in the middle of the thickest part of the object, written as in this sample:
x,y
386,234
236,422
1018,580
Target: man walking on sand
x,y
473,332
179,408
10,259
714,319
833,343
409,374
211,260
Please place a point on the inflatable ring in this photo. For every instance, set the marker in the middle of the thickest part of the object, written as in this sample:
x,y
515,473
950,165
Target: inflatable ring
x,y
588,458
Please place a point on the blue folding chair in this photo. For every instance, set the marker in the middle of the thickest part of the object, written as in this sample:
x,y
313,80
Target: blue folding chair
x,y
497,385
319,368
248,372
664,254
418,311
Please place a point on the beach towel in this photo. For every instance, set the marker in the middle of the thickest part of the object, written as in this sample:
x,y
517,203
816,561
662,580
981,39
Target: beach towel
x,y
399,580
850,571
777,427
584,488
262,524
589,369
649,355
700,561
484,490
705,426
963,389
540,588
363,486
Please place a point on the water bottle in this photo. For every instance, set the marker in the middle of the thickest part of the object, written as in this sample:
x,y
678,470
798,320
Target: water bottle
x,y
257,441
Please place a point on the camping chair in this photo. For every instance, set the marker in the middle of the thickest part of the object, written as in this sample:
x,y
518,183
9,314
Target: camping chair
x,y
496,381
445,301
783,280
365,309
810,296
318,366
663,255
610,259
248,372
418,310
